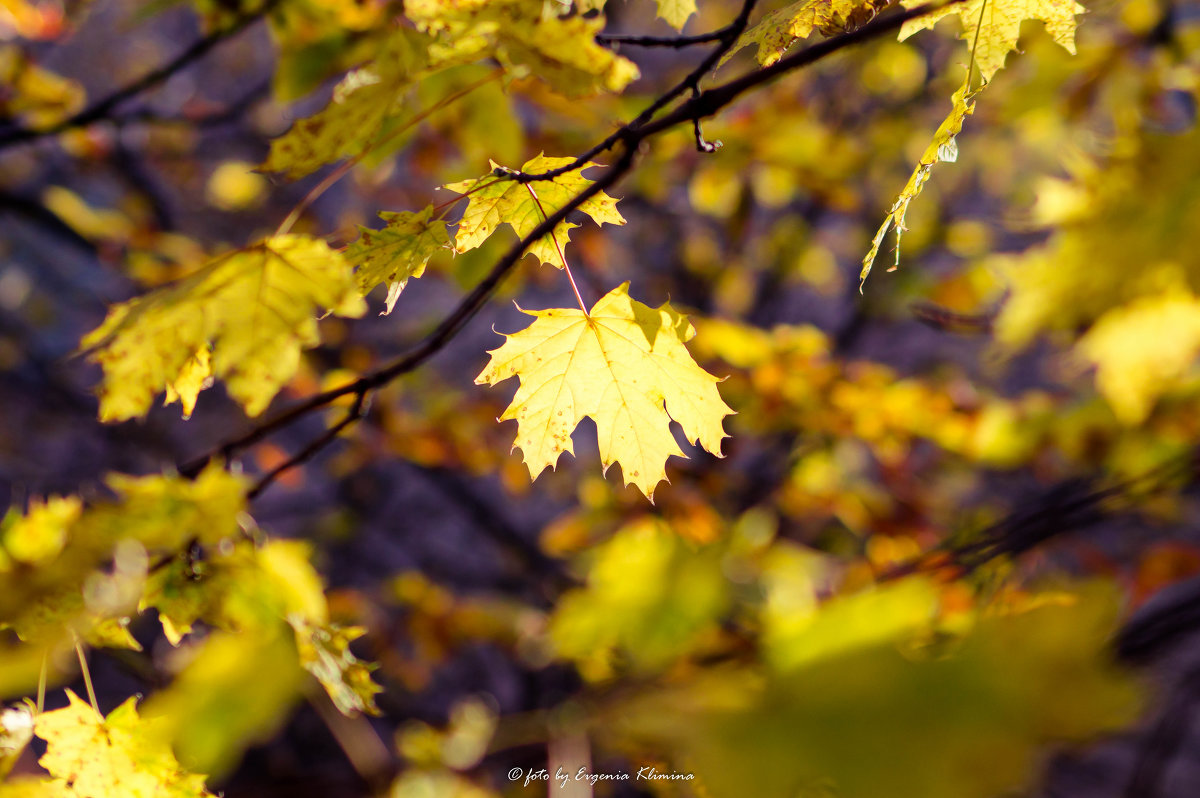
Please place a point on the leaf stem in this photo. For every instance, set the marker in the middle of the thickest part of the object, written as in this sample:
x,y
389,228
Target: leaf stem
x,y
562,257
41,690
974,47
87,674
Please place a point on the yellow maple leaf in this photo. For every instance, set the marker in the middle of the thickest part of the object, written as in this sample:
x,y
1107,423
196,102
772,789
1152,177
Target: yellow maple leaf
x,y
497,200
782,28
100,757
993,30
398,252
944,147
255,308
325,653
625,366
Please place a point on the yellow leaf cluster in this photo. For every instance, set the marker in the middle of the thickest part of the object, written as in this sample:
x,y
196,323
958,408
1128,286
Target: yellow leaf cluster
x,y
494,200
1119,276
622,364
64,567
527,38
782,28
230,691
999,684
992,27
251,311
649,597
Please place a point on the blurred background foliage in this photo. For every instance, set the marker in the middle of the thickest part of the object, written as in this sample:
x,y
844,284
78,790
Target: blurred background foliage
x,y
941,499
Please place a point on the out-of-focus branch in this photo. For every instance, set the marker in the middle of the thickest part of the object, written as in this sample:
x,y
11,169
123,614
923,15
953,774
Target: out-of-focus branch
x,y
673,42
104,108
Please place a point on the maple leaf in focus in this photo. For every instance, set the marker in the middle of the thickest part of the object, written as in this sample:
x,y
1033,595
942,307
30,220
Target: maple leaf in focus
x,y
495,200
993,31
121,755
625,366
396,253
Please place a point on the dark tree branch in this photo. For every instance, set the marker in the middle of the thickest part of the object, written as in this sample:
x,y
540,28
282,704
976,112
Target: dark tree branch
x,y
1069,506
630,133
230,113
103,108
675,42
707,103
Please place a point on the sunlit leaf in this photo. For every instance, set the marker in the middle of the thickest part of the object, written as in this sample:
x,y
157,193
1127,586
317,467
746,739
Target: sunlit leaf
x,y
625,366
325,653
494,200
119,755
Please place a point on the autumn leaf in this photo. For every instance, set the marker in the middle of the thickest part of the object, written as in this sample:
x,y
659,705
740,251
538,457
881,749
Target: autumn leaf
x,y
528,39
255,308
362,103
396,253
101,757
325,653
495,200
676,12
944,147
782,28
625,366
992,31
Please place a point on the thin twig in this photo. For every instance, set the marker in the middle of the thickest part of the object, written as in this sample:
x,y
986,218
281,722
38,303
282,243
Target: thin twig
x,y
352,415
231,112
630,133
87,674
103,108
